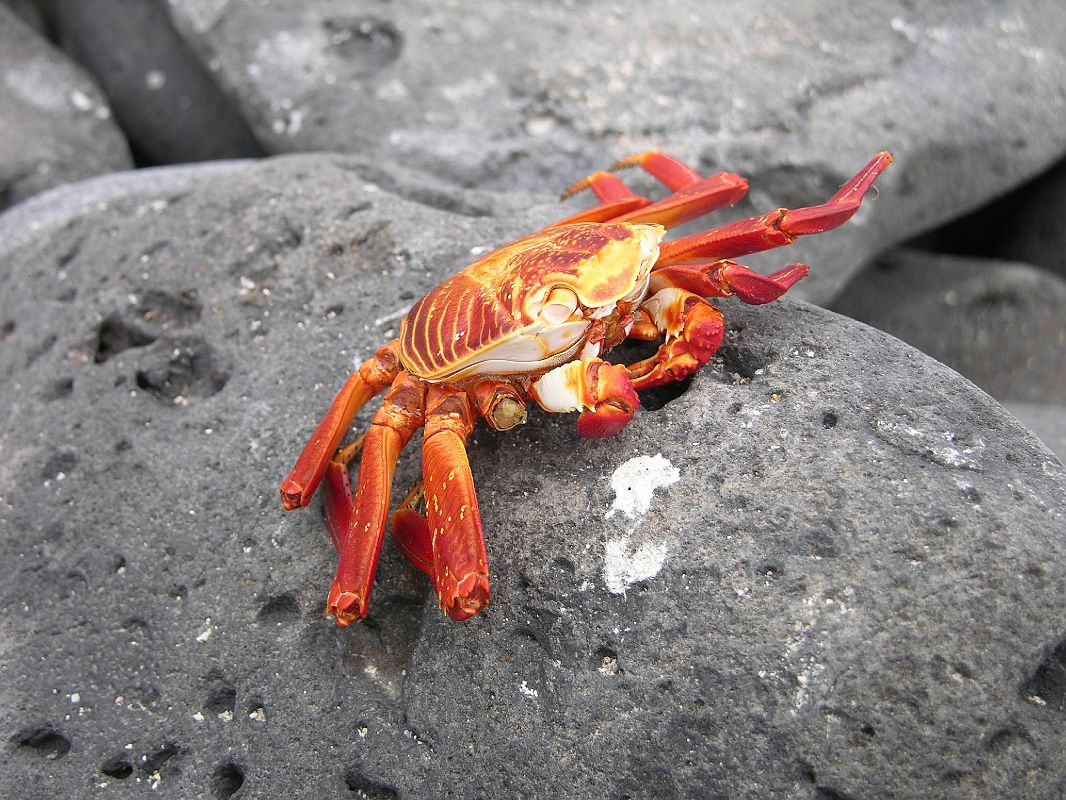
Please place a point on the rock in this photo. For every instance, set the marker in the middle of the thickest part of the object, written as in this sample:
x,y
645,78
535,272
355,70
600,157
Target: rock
x,y
28,11
1001,324
525,98
1046,421
55,125
853,586
166,100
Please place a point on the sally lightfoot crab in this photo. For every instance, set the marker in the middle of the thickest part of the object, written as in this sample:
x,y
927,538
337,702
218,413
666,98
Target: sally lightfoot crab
x,y
531,321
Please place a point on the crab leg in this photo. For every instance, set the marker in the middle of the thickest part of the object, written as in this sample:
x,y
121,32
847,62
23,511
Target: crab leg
x,y
693,328
727,278
615,199
371,377
410,531
396,421
780,227
460,564
693,195
602,392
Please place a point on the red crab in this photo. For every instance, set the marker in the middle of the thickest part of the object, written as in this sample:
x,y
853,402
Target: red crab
x,y
531,321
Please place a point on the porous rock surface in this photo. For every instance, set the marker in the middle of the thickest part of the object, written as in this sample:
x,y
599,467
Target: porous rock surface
x,y
55,123
522,98
847,582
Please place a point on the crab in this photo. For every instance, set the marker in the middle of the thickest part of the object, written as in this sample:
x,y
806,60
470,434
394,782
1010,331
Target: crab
x,y
531,321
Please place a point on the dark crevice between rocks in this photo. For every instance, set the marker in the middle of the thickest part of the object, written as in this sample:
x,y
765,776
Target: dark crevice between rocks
x,y
165,100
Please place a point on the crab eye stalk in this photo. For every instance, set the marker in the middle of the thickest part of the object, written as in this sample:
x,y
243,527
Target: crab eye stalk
x,y
559,305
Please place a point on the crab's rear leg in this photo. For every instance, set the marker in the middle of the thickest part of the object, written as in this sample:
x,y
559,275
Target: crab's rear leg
x,y
692,194
693,327
371,377
778,228
400,415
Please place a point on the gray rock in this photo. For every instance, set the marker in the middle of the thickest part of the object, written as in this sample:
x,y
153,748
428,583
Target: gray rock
x,y
55,125
1001,324
852,589
525,98
165,100
1046,421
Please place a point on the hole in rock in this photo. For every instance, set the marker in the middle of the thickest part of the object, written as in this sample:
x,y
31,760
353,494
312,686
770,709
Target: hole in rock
x,y
166,310
368,42
187,368
359,783
221,700
279,608
605,660
58,389
117,767
1047,687
60,463
228,779
114,335
44,741
657,398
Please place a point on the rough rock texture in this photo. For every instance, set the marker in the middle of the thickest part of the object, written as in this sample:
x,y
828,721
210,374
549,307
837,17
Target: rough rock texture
x,y
1001,324
853,587
522,98
165,100
55,125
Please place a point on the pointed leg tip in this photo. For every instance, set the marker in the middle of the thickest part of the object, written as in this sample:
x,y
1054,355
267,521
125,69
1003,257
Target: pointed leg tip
x,y
345,607
468,597
292,495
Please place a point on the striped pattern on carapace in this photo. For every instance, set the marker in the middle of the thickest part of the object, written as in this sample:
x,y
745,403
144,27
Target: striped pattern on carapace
x,y
497,297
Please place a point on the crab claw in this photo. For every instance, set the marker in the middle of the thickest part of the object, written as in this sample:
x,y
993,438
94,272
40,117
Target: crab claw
x,y
603,393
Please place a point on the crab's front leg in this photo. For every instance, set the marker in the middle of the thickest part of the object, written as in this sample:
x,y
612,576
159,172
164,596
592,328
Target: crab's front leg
x,y
459,569
602,392
371,377
694,329
359,541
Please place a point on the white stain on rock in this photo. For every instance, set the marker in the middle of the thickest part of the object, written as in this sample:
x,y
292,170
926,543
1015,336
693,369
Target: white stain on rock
x,y
624,567
635,482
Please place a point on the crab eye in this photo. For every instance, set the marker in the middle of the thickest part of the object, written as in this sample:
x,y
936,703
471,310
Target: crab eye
x,y
558,306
